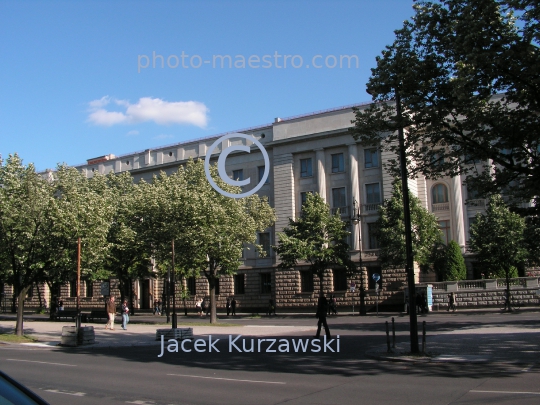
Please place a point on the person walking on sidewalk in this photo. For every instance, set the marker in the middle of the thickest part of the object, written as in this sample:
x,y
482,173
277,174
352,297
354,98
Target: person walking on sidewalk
x,y
233,306
125,314
322,309
228,306
451,302
111,311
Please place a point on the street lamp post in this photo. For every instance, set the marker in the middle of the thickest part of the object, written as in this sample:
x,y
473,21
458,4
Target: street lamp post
x,y
356,219
408,231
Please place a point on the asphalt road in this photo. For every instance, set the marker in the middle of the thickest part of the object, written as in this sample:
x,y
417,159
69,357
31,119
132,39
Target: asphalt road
x,y
137,375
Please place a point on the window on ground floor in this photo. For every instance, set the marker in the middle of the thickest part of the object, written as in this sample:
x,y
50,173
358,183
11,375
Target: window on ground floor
x,y
192,286
266,283
306,281
239,284
340,279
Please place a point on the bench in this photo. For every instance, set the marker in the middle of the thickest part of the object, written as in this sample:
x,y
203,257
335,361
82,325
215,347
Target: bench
x,y
65,314
97,314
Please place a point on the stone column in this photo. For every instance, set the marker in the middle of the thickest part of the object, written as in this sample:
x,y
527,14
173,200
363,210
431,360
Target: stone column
x,y
356,230
457,211
321,173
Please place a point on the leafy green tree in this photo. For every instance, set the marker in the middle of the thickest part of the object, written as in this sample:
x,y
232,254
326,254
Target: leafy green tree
x,y
25,224
129,253
451,264
466,75
497,240
209,229
82,208
317,237
391,231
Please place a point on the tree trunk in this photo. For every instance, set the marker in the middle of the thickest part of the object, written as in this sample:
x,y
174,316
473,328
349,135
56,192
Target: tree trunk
x,y
131,302
212,282
321,284
39,296
20,312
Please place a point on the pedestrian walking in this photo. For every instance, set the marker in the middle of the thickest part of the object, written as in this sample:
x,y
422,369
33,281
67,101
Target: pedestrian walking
x,y
333,304
271,307
60,304
125,314
228,306
451,302
322,309
233,306
198,307
203,306
111,311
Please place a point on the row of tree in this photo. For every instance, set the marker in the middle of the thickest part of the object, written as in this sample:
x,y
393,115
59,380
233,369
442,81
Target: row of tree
x,y
122,226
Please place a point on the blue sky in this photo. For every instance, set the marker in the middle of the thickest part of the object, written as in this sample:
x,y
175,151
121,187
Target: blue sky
x,y
74,83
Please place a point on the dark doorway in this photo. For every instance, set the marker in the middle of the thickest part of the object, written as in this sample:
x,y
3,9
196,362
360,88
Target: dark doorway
x,y
145,299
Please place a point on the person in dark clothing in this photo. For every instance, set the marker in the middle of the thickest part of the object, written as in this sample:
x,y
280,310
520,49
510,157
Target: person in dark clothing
x,y
228,306
233,307
271,307
322,309
332,306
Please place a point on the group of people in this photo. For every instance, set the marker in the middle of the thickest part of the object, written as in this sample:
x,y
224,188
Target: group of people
x,y
203,307
111,312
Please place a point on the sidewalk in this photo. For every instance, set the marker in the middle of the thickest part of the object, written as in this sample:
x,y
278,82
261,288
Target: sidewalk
x,y
450,337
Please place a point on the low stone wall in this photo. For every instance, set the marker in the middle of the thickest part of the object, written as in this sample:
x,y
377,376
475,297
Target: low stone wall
x,y
526,297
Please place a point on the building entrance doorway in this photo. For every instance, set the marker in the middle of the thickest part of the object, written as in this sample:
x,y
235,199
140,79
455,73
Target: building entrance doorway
x,y
145,295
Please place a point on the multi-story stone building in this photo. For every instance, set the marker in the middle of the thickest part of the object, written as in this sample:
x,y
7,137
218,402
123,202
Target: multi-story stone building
x,y
308,153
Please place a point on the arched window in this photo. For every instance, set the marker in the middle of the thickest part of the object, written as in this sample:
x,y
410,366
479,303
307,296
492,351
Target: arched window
x,y
439,194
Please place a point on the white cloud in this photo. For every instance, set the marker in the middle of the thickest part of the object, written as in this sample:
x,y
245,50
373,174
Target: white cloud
x,y
132,132
148,109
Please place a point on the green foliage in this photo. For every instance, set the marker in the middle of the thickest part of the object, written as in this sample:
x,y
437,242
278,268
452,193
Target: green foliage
x,y
466,75
497,239
209,230
317,237
391,231
455,264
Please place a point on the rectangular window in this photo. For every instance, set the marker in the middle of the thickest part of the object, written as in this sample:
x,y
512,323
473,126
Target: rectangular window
x,y
303,197
239,284
264,241
338,163
192,286
306,281
30,292
89,286
266,283
444,226
238,175
469,159
261,175
338,197
472,194
373,193
371,158
372,238
437,159
73,288
217,286
306,169
340,280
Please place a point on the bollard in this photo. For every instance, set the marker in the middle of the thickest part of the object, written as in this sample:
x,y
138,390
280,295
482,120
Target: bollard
x,y
388,339
423,336
393,334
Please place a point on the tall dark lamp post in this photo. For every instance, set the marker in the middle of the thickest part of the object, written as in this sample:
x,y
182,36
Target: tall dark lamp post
x,y
409,266
357,220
